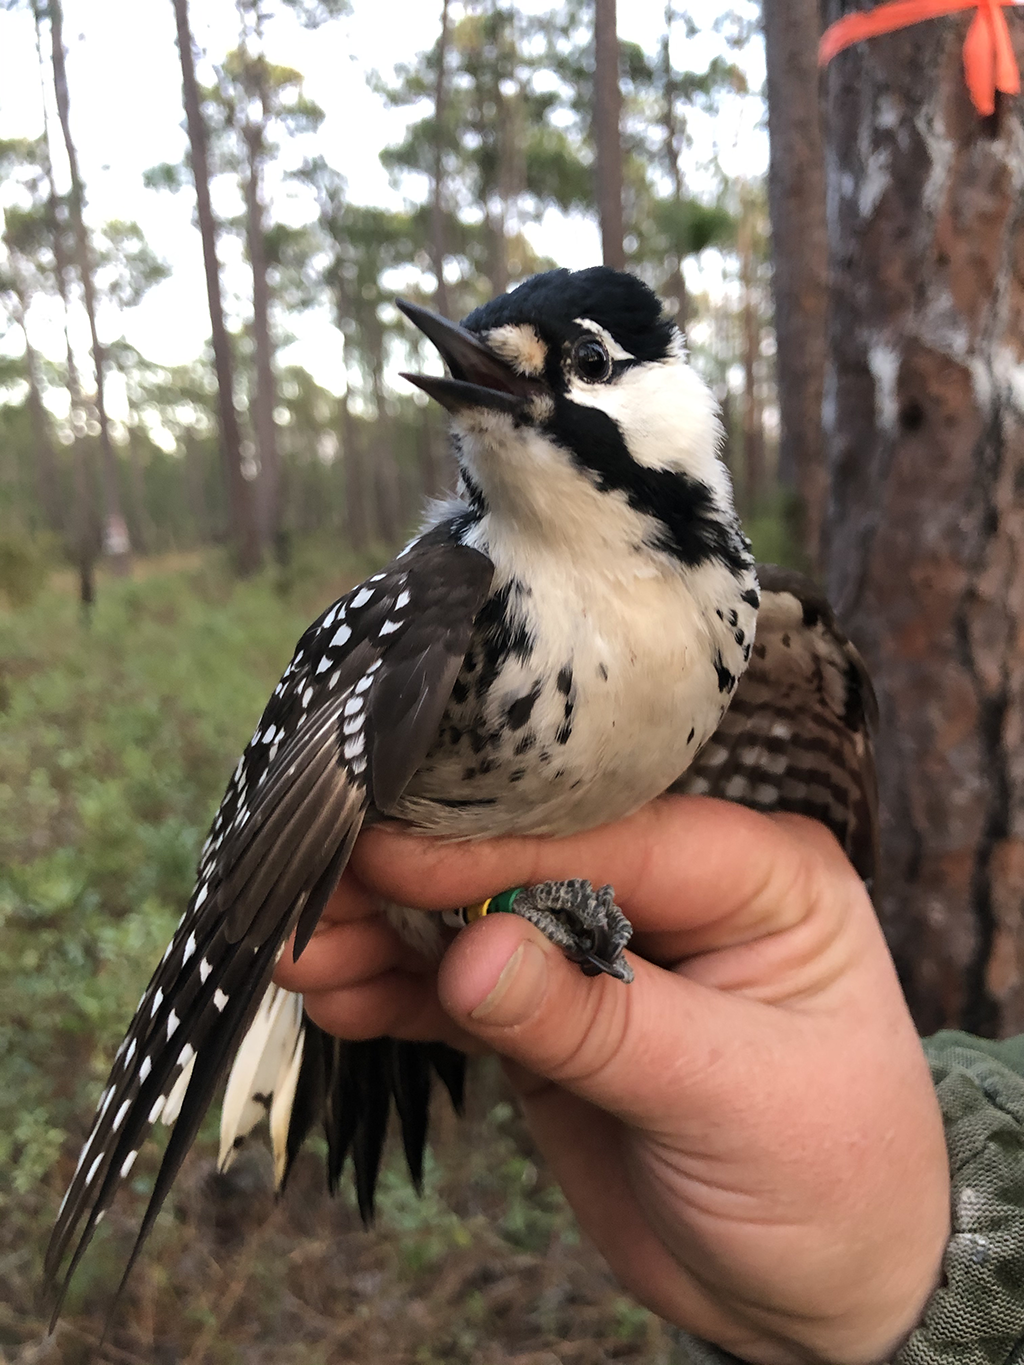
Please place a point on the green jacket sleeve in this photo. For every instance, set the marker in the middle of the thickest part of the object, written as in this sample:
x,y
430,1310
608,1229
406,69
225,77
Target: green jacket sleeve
x,y
976,1316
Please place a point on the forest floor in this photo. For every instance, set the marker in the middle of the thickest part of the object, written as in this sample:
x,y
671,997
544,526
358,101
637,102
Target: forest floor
x,y
116,740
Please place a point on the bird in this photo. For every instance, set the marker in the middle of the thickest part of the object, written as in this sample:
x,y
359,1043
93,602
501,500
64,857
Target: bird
x,y
578,630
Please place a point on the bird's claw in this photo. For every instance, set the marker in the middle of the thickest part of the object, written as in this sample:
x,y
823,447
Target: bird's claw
x,y
586,924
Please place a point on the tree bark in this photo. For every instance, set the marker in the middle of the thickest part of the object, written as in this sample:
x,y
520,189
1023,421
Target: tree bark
x,y
436,463
753,424
673,147
607,139
386,475
244,534
357,524
796,200
83,518
115,530
268,487
924,429
145,531
438,237
197,507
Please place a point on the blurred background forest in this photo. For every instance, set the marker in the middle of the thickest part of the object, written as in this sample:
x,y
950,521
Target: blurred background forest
x,y
204,438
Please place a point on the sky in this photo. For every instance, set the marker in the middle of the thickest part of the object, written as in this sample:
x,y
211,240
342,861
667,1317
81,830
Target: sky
x,y
125,90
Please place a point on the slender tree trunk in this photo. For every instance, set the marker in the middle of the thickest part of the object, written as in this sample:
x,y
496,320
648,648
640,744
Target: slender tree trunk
x,y
88,534
438,236
606,118
144,528
115,530
268,487
924,429
511,146
497,270
357,525
85,518
796,198
753,426
44,461
386,475
194,489
244,534
436,463
728,451
672,152
81,520
87,531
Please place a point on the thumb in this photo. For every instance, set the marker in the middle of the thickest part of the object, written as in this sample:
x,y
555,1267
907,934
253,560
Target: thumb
x,y
621,1047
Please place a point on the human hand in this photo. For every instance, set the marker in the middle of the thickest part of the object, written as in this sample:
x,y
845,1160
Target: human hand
x,y
749,1131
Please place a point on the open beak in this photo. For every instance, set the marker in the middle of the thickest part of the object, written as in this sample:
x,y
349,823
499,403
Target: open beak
x,y
479,378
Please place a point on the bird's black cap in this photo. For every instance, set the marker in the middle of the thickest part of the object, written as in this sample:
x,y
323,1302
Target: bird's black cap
x,y
552,301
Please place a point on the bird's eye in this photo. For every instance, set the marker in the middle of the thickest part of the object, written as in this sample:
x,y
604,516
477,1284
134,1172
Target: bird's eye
x,y
591,361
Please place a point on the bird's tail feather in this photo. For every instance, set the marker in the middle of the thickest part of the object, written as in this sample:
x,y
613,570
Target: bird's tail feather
x,y
289,1068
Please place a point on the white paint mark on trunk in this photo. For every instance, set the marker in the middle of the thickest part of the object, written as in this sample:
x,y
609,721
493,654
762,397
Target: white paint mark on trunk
x,y
877,179
884,364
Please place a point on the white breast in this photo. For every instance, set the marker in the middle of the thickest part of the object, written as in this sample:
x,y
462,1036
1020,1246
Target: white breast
x,y
639,637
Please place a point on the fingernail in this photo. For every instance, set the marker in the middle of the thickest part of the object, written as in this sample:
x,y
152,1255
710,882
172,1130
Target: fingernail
x,y
518,990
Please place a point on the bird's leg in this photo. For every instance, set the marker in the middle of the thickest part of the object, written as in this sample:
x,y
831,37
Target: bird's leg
x,y
586,924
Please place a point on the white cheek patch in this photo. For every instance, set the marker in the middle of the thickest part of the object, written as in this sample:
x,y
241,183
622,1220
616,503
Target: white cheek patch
x,y
520,346
668,417
611,345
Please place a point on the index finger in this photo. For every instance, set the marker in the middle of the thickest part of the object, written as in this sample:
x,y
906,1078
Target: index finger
x,y
711,871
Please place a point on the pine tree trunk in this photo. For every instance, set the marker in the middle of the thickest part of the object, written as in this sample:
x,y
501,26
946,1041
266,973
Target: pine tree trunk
x,y
924,429
436,463
244,534
198,510
438,241
115,530
357,524
85,517
796,196
268,487
753,426
385,473
82,519
497,254
44,462
145,531
606,116
673,147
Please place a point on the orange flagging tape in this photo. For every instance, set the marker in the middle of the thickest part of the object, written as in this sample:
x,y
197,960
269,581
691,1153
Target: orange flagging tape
x,y
989,61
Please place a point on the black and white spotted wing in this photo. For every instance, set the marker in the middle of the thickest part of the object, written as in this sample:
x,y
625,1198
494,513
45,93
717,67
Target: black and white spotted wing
x,y
347,726
798,733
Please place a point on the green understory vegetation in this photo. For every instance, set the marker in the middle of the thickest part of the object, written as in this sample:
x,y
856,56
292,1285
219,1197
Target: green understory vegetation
x,y
116,740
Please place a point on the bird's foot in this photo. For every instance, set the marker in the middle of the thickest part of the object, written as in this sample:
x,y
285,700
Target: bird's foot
x,y
586,924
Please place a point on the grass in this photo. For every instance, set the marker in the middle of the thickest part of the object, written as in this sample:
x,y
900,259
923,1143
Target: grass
x,y
116,741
